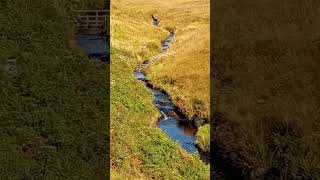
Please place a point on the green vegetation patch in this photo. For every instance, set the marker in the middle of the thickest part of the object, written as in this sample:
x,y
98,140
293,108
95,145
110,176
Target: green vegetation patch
x,y
138,148
203,138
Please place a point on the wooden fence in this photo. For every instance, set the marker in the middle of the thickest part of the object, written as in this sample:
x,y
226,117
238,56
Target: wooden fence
x,y
92,21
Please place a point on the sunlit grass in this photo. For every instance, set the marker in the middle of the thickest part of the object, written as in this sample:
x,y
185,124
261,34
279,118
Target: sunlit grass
x,y
203,138
140,150
188,64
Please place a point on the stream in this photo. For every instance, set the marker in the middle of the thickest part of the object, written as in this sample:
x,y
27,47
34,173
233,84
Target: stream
x,y
95,45
173,123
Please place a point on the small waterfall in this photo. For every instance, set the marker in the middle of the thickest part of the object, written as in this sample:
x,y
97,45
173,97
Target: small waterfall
x,y
164,115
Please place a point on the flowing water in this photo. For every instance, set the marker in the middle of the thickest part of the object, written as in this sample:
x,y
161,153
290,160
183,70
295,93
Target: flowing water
x,y
173,123
95,45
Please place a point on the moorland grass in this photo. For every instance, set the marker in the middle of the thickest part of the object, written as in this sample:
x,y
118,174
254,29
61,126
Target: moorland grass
x,y
50,106
185,72
140,150
267,81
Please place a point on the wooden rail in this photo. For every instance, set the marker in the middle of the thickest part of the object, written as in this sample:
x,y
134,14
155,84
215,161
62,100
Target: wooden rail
x,y
92,21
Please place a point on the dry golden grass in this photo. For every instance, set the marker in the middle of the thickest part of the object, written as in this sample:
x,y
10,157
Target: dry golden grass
x,y
138,149
130,31
185,72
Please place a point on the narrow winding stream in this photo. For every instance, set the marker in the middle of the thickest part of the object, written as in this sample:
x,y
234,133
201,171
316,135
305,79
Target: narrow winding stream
x,y
177,127
171,122
174,124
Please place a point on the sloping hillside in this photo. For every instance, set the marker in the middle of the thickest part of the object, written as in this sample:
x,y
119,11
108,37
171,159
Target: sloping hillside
x,y
140,150
185,72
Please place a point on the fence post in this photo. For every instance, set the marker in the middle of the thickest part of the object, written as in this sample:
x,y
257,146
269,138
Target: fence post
x,y
87,19
97,20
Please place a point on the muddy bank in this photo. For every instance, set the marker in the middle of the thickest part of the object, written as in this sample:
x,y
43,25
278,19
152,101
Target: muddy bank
x,y
195,120
172,122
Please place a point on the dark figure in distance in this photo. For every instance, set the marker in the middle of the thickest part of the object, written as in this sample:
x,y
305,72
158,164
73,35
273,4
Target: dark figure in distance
x,y
155,21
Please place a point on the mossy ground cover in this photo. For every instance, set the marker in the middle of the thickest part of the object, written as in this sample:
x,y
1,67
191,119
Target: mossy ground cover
x,y
203,138
50,106
138,148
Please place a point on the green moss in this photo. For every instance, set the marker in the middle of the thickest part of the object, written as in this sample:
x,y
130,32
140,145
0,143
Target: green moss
x,y
203,138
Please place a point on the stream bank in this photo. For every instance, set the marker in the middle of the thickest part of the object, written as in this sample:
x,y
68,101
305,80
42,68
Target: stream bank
x,y
172,121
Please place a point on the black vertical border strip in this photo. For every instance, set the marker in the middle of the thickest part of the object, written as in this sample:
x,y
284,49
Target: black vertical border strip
x,y
212,88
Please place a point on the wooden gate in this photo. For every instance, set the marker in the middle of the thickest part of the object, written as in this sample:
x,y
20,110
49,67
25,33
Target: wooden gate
x,y
92,21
